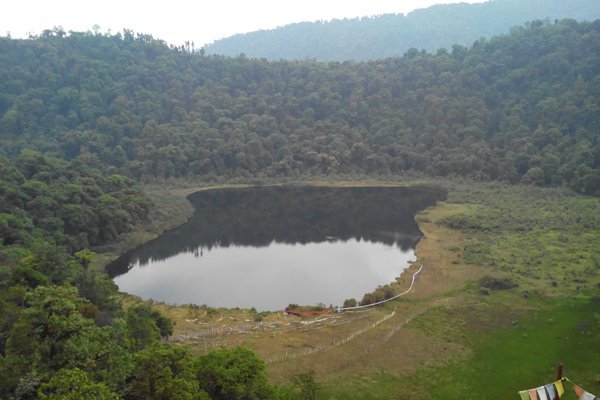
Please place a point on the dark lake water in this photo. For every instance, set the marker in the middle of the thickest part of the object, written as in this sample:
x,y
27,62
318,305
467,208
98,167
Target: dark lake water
x,y
267,247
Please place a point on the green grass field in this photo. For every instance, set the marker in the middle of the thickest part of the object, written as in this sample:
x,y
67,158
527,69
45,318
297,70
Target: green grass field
x,y
502,360
565,330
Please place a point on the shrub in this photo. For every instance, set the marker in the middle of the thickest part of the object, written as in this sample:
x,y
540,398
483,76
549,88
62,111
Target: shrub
x,y
381,293
350,303
491,283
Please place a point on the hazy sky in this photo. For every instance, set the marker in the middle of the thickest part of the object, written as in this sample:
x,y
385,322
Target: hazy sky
x,y
176,21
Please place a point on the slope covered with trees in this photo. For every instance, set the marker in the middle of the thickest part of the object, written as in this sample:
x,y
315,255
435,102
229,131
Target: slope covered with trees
x,y
66,203
519,108
390,35
63,331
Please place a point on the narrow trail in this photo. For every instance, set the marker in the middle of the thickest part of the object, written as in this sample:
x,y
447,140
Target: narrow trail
x,y
414,277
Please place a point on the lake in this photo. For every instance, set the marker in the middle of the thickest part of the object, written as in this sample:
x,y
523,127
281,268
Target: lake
x,y
267,247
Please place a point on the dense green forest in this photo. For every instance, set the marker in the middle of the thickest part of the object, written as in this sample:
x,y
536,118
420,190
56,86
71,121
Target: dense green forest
x,y
391,35
63,331
66,203
519,108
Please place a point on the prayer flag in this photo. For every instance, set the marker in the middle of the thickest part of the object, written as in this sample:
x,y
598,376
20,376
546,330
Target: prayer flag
x,y
559,388
582,394
533,394
542,393
587,396
524,395
550,389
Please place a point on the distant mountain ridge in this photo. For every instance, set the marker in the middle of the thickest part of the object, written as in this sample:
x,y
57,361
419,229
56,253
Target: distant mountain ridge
x,y
391,35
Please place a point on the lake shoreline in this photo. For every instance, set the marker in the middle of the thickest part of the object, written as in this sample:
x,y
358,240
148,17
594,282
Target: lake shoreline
x,y
365,212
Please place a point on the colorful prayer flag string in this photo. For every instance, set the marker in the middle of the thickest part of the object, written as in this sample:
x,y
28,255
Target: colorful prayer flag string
x,y
555,390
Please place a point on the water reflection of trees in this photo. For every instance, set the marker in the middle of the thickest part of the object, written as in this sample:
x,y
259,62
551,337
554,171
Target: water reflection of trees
x,y
259,216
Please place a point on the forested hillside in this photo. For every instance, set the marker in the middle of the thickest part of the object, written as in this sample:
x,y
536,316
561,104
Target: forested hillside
x,y
522,107
67,203
63,331
391,35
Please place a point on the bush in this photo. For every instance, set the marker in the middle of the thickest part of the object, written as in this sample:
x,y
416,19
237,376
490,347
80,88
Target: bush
x,y
350,303
491,283
380,294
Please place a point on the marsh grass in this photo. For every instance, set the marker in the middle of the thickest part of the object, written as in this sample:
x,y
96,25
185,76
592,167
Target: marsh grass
x,y
545,237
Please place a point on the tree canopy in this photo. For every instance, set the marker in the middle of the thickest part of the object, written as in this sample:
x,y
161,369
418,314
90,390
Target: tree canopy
x,y
522,107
